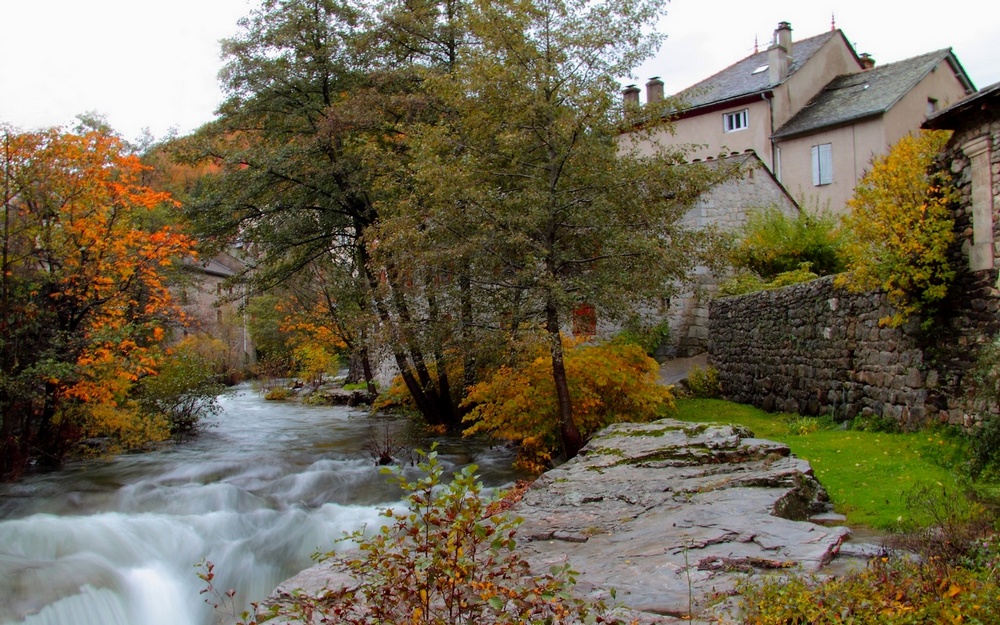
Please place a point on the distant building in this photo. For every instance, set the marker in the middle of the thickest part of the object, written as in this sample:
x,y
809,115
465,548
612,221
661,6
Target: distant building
x,y
215,309
813,110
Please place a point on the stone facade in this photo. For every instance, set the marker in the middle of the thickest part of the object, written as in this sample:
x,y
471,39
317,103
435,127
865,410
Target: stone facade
x,y
816,349
725,207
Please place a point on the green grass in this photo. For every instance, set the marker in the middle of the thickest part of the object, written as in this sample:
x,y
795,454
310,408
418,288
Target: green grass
x,y
870,476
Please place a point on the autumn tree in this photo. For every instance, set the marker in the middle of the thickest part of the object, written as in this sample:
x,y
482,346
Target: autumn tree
x,y
321,97
900,228
84,301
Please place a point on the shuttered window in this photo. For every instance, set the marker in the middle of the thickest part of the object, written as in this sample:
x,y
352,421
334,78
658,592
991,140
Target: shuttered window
x,y
822,164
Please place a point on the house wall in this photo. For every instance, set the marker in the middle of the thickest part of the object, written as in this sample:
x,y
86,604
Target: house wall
x,y
856,145
706,135
906,115
853,148
212,311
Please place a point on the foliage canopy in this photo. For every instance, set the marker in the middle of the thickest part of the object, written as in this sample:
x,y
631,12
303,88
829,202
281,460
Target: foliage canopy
x,y
901,228
87,248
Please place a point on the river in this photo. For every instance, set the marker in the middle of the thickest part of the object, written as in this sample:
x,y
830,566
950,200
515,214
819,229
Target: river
x,y
117,542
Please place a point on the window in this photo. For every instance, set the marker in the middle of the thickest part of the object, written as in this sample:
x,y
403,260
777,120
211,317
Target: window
x,y
734,121
932,105
822,161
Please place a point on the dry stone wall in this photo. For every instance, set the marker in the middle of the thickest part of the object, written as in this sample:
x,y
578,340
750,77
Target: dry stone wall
x,y
816,349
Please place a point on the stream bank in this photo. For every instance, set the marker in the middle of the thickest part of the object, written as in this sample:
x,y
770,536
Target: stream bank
x,y
671,515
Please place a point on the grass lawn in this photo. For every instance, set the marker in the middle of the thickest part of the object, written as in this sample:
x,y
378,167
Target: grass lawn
x,y
872,478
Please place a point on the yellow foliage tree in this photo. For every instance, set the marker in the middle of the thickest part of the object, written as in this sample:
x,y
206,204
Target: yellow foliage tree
x,y
608,383
901,229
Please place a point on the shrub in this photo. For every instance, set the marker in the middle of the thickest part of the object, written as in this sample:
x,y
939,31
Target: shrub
x,y
608,383
901,229
946,574
773,243
647,336
704,382
442,560
314,362
185,389
889,590
875,423
278,393
743,283
984,396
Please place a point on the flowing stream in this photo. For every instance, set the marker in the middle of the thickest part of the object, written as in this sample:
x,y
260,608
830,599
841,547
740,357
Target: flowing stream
x,y
115,543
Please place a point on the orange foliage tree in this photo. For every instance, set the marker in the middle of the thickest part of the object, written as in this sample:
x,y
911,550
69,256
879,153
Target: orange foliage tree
x,y
83,300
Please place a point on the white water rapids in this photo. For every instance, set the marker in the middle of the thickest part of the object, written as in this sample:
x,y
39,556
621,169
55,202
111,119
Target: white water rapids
x,y
117,543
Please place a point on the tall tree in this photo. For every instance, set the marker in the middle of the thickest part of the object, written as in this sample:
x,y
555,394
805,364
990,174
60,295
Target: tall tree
x,y
84,297
313,133
555,210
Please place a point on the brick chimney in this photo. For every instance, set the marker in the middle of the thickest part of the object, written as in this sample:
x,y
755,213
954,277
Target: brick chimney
x,y
654,90
867,62
779,54
631,96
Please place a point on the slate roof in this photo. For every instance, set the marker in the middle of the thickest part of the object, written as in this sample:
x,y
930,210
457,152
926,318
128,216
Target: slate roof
x,y
739,79
853,97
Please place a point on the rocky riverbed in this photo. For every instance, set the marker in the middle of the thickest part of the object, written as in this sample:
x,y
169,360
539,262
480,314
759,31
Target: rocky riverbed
x,y
671,515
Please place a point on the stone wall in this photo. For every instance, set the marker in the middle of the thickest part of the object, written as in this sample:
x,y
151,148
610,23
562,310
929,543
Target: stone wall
x,y
816,349
726,207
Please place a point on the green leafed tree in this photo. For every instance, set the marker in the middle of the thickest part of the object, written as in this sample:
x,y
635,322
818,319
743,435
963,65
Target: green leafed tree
x,y
463,160
530,184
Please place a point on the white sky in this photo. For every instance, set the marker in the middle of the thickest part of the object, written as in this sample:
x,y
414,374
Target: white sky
x,y
154,63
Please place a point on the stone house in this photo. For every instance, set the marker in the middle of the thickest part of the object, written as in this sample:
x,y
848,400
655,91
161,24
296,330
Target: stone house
x,y
725,206
813,110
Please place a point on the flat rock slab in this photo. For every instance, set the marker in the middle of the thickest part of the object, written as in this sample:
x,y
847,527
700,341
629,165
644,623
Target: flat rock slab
x,y
669,514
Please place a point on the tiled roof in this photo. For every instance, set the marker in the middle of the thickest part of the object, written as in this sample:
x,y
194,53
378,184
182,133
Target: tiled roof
x,y
747,77
857,96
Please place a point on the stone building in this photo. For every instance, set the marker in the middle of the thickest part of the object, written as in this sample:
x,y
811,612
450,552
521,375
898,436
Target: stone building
x,y
213,309
725,206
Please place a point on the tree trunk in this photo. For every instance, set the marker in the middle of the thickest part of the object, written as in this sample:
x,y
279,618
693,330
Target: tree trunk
x,y
571,439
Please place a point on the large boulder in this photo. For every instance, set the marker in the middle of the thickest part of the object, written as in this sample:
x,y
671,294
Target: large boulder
x,y
672,514
669,514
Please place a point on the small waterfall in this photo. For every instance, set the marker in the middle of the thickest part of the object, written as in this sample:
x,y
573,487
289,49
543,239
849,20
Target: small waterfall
x,y
118,542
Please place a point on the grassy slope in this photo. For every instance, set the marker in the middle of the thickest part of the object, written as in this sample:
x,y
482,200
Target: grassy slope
x,y
871,477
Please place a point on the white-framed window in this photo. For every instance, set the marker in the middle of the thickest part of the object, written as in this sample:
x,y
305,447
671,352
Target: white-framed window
x,y
822,162
737,120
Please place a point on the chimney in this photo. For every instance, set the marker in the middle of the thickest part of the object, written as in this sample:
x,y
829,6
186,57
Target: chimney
x,y
783,37
631,96
654,90
867,62
779,53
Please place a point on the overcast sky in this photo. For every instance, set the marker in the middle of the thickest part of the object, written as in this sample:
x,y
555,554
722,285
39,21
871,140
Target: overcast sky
x,y
154,63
